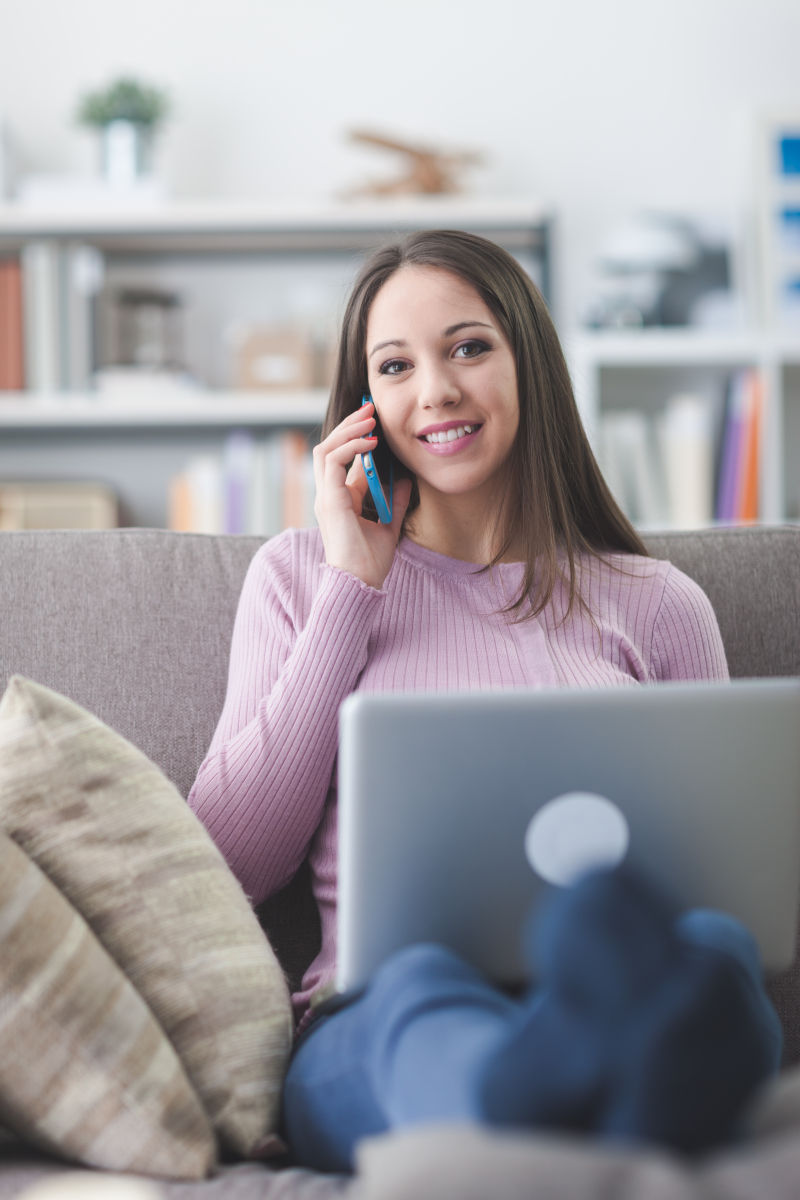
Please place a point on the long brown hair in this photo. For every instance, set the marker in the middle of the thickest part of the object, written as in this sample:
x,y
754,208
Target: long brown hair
x,y
557,504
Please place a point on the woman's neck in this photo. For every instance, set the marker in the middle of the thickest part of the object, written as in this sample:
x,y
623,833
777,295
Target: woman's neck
x,y
451,531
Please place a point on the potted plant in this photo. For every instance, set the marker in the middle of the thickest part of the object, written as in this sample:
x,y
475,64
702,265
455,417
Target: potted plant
x,y
126,113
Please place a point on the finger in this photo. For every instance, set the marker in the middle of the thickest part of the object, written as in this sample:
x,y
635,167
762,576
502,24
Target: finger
x,y
345,442
363,415
400,502
331,461
356,484
356,474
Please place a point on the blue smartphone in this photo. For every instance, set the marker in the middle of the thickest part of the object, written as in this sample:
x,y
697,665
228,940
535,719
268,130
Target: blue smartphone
x,y
382,507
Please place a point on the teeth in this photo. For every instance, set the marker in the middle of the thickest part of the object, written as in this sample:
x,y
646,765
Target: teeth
x,y
450,435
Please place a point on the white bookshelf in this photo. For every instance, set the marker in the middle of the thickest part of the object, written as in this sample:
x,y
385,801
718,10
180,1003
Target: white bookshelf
x,y
216,253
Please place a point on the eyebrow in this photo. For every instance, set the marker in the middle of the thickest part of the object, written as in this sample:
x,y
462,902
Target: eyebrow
x,y
451,329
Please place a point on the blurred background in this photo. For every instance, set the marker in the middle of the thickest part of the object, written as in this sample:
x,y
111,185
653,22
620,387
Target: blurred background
x,y
169,298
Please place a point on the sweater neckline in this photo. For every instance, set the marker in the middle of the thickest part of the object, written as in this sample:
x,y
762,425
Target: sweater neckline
x,y
442,564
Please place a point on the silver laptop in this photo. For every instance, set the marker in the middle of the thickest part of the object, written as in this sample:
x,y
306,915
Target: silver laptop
x,y
457,810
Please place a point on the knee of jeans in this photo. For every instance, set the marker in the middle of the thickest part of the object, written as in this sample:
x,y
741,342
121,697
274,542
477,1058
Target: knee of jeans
x,y
423,961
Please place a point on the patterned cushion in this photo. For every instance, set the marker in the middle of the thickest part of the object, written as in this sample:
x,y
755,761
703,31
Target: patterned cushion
x,y
85,1070
118,840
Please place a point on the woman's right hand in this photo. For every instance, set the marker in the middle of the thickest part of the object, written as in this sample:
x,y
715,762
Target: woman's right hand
x,y
352,543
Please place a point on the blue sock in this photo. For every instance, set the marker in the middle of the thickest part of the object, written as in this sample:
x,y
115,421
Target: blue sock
x,y
637,1030
697,1053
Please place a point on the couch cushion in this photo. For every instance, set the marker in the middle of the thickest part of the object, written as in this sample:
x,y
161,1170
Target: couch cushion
x,y
117,839
85,1070
473,1163
751,575
133,624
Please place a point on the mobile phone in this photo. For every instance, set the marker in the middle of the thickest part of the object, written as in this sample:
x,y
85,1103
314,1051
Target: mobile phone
x,y
382,507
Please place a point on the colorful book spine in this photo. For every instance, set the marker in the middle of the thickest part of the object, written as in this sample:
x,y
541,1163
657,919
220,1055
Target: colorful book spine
x,y
740,457
252,487
12,351
295,479
731,455
751,452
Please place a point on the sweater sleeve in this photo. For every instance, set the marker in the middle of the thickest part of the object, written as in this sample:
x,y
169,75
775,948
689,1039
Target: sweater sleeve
x,y
262,788
687,643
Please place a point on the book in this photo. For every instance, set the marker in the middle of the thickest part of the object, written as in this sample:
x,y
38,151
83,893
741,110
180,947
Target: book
x,y
687,449
12,357
41,292
265,512
295,479
81,279
239,479
631,466
737,497
257,487
748,498
180,509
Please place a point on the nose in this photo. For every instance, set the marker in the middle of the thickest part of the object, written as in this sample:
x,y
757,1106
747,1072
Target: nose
x,y
436,388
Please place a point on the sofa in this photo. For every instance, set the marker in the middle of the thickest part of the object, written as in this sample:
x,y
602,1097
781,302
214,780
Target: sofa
x,y
134,625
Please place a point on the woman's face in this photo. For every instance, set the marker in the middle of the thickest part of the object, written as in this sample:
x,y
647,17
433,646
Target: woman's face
x,y
444,382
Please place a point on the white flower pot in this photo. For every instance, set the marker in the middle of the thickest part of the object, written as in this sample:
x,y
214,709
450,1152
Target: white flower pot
x,y
126,149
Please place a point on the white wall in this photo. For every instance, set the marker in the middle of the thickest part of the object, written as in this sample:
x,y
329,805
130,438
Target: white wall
x,y
601,107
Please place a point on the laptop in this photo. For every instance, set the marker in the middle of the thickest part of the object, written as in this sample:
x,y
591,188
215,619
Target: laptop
x,y
458,810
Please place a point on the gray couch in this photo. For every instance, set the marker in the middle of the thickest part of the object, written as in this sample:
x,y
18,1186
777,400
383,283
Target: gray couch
x,y
135,625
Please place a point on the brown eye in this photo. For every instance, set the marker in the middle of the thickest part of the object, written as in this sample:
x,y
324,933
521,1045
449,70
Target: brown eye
x,y
471,349
395,366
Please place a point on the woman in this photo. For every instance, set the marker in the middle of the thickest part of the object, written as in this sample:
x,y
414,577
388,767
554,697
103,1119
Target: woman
x,y
506,563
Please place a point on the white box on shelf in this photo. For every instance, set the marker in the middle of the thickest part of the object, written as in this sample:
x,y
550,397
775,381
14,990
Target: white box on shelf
x,y
57,506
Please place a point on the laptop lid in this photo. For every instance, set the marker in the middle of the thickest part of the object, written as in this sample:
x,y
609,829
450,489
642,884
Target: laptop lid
x,y
456,810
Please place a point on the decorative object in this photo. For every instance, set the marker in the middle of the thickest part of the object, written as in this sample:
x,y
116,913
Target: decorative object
x,y
273,359
126,113
148,329
661,269
428,171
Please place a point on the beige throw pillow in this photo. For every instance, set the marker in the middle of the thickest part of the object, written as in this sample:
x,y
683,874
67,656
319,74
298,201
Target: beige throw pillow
x,y
115,836
85,1070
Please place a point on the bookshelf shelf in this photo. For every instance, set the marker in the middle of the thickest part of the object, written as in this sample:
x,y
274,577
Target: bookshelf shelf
x,y
22,411
668,347
203,227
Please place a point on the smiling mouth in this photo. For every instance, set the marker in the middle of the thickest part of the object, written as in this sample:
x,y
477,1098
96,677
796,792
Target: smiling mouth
x,y
449,435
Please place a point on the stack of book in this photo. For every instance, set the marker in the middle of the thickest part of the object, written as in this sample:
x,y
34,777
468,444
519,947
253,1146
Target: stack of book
x,y
256,486
48,297
739,449
692,464
57,506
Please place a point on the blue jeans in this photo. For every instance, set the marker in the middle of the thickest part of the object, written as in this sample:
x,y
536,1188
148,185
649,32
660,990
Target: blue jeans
x,y
642,1028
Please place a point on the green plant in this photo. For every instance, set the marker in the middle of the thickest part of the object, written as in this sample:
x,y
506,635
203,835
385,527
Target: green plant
x,y
123,100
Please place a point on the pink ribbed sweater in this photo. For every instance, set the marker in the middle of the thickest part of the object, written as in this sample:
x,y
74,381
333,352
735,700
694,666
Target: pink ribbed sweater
x,y
306,635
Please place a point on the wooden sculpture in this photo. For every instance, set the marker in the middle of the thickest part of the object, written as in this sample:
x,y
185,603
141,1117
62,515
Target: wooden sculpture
x,y
428,172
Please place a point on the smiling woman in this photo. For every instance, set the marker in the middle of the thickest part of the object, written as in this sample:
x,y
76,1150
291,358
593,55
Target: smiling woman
x,y
505,564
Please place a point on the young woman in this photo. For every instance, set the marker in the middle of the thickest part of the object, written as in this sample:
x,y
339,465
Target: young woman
x,y
506,563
